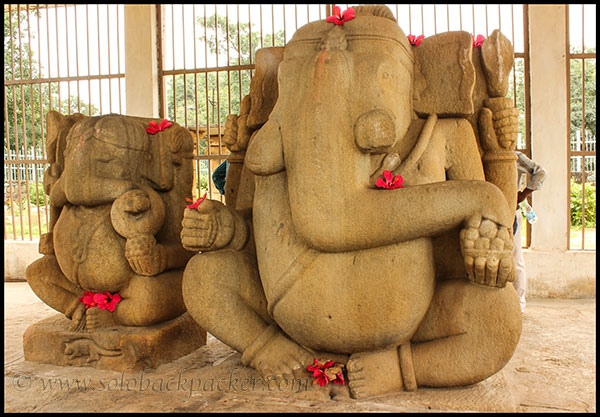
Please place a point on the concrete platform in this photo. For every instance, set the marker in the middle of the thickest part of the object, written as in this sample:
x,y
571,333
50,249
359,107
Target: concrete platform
x,y
552,370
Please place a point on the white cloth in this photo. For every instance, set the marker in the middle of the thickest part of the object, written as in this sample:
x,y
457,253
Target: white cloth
x,y
520,282
534,173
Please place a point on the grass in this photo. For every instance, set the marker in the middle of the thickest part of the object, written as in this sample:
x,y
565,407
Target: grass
x,y
575,238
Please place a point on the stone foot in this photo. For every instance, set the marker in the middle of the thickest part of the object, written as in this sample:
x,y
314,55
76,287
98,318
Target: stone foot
x,y
374,373
96,318
274,355
78,319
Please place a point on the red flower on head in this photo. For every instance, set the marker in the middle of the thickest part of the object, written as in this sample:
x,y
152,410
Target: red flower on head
x,y
389,181
196,203
155,127
415,40
477,41
338,18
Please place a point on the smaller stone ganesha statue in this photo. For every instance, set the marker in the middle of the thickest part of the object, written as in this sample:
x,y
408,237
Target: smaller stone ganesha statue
x,y
118,188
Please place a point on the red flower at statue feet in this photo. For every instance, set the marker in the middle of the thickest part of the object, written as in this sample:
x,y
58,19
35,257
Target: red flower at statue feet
x,y
325,372
340,378
415,40
320,378
88,299
477,41
196,203
389,181
107,301
155,127
338,18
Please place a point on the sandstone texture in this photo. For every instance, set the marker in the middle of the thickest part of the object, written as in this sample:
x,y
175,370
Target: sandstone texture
x,y
367,223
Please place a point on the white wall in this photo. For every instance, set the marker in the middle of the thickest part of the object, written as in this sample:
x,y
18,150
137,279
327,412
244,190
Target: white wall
x,y
551,269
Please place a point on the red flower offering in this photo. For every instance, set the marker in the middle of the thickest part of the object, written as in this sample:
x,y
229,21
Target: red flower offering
x,y
155,127
338,18
88,299
389,182
415,40
104,301
196,203
477,41
326,371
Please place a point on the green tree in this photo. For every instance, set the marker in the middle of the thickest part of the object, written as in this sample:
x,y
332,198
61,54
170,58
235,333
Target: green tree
x,y
27,104
517,78
576,204
230,87
583,75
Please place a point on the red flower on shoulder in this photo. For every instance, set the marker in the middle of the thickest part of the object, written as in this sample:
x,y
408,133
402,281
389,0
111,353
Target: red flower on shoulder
x,y
389,181
338,18
415,40
155,127
196,203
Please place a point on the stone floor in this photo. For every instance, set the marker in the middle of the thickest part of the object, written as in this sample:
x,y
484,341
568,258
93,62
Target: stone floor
x,y
552,370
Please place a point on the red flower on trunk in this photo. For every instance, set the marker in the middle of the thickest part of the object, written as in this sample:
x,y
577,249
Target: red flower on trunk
x,y
338,18
155,127
389,181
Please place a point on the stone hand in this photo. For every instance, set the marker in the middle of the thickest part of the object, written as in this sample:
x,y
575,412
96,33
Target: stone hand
x,y
499,125
209,227
487,250
145,256
237,133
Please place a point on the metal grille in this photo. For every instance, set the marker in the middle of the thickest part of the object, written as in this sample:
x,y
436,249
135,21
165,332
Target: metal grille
x,y
581,137
56,57
207,63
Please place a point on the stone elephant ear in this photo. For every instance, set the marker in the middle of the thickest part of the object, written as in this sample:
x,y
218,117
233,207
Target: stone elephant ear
x,y
57,127
264,86
444,75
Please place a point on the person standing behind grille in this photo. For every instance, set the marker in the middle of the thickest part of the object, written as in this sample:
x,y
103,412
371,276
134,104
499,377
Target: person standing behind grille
x,y
531,177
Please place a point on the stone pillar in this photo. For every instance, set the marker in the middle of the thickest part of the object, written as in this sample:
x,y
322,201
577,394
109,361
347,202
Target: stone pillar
x,y
141,64
547,45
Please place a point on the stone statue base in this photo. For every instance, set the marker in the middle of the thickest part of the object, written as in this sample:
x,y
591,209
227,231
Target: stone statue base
x,y
118,348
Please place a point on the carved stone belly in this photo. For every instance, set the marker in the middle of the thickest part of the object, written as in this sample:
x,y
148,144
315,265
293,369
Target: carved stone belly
x,y
89,251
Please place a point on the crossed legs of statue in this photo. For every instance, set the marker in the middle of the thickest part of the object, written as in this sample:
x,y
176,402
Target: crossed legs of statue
x,y
223,293
467,335
144,300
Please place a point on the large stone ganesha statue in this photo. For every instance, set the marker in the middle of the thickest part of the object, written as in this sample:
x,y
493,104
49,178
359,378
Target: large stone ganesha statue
x,y
406,286
113,258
